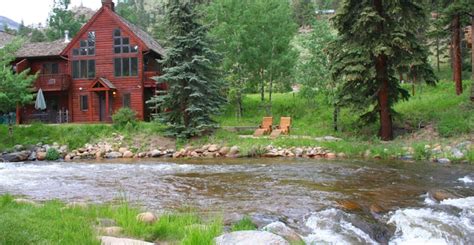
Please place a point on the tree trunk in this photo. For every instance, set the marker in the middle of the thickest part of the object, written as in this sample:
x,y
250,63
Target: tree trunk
x,y
472,45
386,132
457,61
335,117
262,86
437,53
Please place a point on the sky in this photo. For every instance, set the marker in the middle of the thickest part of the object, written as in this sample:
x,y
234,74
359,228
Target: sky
x,y
36,11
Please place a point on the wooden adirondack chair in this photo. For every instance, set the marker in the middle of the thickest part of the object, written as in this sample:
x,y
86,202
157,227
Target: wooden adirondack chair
x,y
265,128
284,128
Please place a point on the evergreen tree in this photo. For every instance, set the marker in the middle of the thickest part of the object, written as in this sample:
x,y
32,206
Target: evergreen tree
x,y
377,37
303,11
62,19
194,88
37,36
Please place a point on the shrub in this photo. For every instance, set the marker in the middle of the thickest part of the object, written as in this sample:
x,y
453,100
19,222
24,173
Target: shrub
x,y
125,117
52,154
244,224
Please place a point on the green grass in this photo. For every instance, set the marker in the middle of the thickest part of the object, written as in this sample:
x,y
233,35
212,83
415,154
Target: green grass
x,y
245,224
73,135
52,223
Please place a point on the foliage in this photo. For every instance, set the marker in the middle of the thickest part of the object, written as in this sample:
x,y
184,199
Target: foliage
x,y
312,70
61,19
53,223
377,37
303,11
254,37
15,88
52,154
245,224
194,93
124,116
135,12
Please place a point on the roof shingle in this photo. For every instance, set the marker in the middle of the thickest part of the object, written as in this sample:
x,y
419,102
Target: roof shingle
x,y
42,49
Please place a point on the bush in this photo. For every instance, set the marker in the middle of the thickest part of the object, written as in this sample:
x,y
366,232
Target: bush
x,y
245,224
52,154
125,117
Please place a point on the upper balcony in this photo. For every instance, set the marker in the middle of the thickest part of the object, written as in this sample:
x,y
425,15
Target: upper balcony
x,y
53,82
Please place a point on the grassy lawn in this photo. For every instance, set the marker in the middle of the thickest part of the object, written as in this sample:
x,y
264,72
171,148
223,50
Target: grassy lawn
x,y
52,223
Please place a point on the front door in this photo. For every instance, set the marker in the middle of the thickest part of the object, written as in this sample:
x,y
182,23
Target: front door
x,y
102,107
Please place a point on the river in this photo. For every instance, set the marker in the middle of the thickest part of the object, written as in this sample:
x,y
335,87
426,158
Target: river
x,y
305,194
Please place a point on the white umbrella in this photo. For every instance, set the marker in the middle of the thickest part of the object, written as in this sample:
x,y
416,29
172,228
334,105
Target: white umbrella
x,y
40,103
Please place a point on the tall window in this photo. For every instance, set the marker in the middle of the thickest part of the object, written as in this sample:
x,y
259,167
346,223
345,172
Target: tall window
x,y
83,69
126,67
126,100
87,46
84,102
122,44
50,68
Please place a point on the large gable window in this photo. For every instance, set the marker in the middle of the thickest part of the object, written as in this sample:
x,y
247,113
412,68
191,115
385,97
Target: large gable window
x,y
87,46
83,69
122,44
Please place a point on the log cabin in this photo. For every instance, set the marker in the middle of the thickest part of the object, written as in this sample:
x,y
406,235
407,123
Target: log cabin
x,y
108,65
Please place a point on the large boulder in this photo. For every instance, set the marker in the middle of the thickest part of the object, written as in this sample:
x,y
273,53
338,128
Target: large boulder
x,y
113,154
16,156
41,155
107,240
250,237
280,229
147,217
128,154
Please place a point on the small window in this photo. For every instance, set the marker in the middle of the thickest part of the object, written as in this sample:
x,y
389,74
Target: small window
x,y
125,40
83,43
126,100
125,49
84,102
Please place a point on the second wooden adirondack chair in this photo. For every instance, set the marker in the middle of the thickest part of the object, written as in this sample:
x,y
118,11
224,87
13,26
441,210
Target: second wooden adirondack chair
x,y
284,128
265,128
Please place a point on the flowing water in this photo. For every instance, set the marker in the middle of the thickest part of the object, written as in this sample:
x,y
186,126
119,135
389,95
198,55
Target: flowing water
x,y
302,193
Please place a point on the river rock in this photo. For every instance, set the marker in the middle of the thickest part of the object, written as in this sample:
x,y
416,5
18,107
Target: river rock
x,y
128,154
457,153
147,217
298,152
213,148
16,156
444,161
331,155
155,153
349,205
18,147
440,195
376,209
280,229
123,150
32,156
40,156
341,155
234,150
224,150
108,240
113,154
250,237
111,231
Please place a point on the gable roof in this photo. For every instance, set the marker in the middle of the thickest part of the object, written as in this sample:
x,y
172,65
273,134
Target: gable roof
x,y
42,49
149,41
5,38
141,35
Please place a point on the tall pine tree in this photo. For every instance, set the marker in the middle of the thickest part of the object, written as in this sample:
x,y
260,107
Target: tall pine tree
x,y
193,94
376,37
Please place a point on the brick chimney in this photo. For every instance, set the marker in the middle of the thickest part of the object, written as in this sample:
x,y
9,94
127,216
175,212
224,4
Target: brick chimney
x,y
108,4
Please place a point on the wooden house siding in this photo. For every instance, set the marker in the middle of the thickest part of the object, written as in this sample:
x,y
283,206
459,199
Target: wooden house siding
x,y
104,22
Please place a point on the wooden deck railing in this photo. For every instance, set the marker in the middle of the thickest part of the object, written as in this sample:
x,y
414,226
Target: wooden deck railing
x,y
53,82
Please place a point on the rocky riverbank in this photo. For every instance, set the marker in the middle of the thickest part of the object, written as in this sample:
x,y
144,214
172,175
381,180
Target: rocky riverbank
x,y
116,147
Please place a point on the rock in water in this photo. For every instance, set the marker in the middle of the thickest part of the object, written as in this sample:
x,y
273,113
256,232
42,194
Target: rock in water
x,y
113,154
280,229
107,240
147,217
16,157
250,237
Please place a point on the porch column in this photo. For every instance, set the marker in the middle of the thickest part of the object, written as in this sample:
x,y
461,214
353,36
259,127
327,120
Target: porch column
x,y
91,108
107,108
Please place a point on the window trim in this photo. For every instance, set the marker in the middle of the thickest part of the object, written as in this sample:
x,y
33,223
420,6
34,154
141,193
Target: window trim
x,y
84,104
